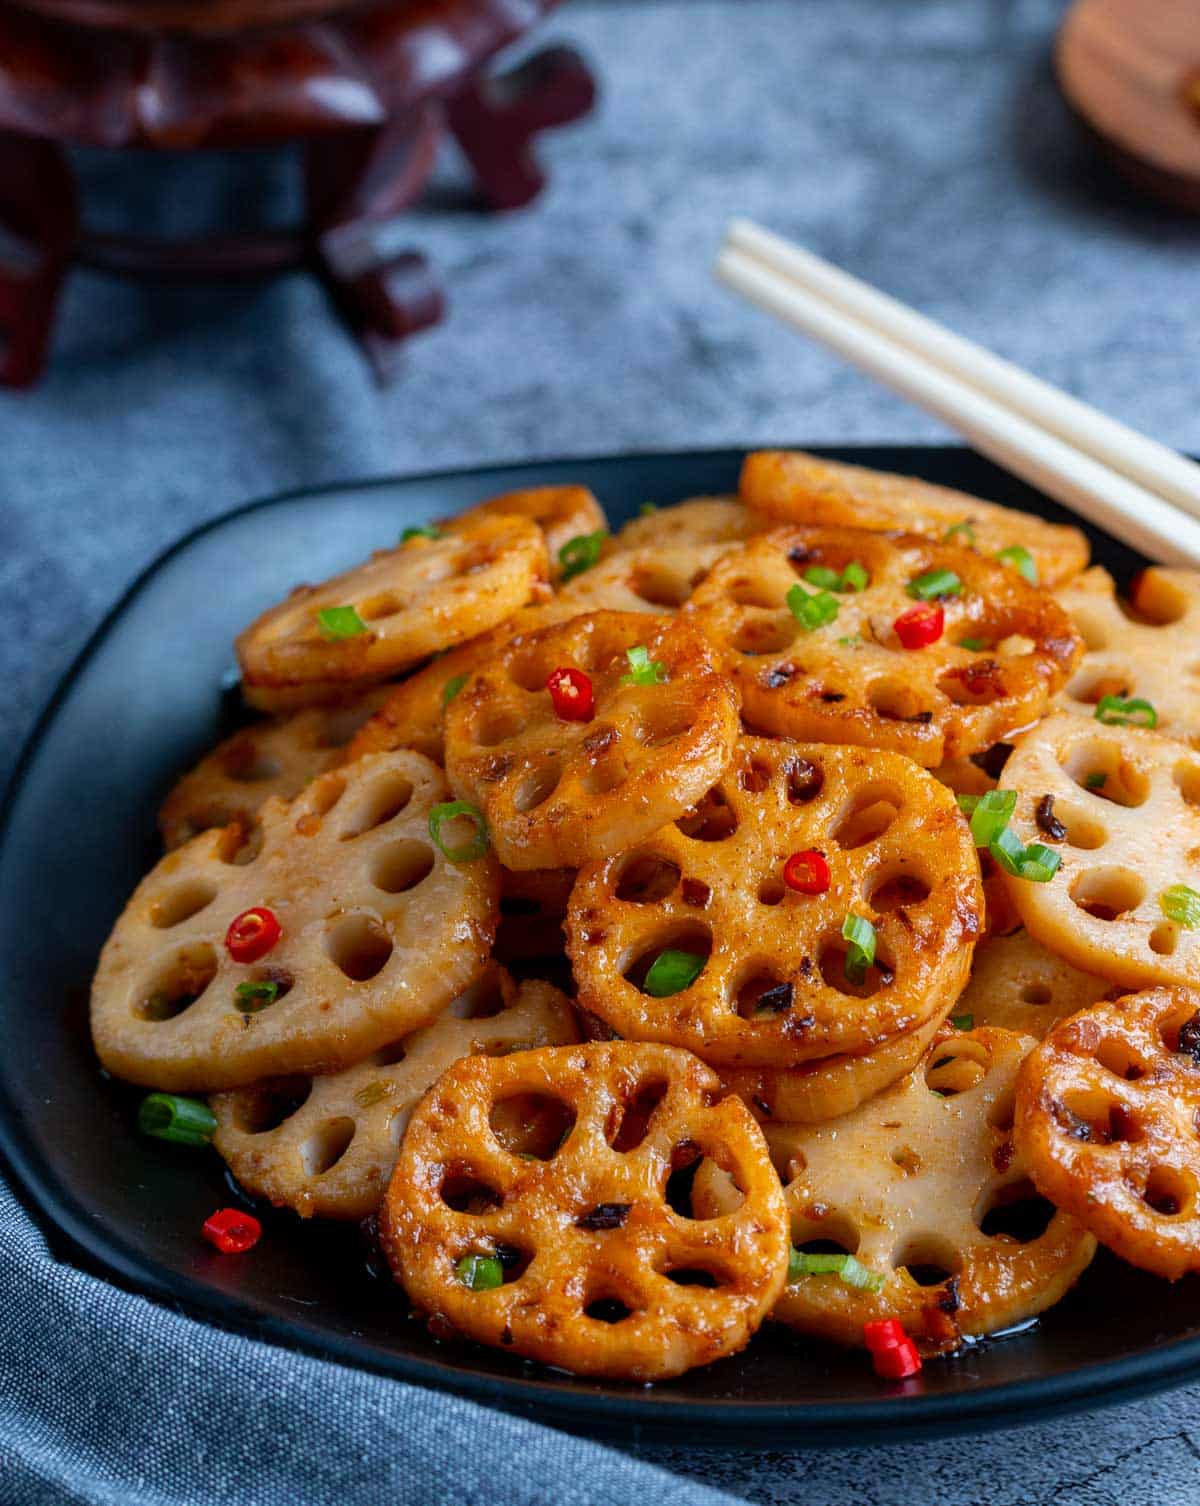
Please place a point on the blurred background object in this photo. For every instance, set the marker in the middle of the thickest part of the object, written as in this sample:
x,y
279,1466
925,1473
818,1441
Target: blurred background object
x,y
1131,71
367,89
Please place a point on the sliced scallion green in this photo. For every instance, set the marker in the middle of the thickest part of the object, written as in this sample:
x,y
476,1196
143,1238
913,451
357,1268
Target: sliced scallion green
x,y
183,1121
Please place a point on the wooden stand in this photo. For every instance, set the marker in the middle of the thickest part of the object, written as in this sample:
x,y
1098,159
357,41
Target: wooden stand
x,y
365,90
1130,69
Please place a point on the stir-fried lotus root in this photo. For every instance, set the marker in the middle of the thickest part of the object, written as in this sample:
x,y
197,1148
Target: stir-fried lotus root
x,y
806,489
651,578
1107,1114
830,665
557,793
268,758
1122,808
1018,985
925,1188
1148,650
767,978
588,1263
327,1145
562,513
832,1085
400,606
414,713
698,522
379,931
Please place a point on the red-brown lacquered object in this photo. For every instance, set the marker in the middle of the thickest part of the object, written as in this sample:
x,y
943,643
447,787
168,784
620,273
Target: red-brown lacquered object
x,y
366,89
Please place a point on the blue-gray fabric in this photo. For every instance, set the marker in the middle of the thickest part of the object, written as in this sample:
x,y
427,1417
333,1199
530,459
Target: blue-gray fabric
x,y
918,142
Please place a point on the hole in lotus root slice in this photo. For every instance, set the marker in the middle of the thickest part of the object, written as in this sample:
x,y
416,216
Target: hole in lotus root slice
x,y
369,954
628,1120
731,908
325,1148
849,679
654,578
377,802
1103,909
957,1065
268,758
465,1193
645,879
1015,1211
802,488
562,513
261,1130
416,600
596,1223
908,1202
711,819
866,816
1136,648
533,1125
1017,984
1121,1152
559,793
833,1085
181,903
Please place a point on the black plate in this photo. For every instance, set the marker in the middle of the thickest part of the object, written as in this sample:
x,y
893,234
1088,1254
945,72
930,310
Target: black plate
x,y
142,702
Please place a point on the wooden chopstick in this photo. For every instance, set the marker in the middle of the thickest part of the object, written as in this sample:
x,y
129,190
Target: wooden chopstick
x,y
1121,506
1155,466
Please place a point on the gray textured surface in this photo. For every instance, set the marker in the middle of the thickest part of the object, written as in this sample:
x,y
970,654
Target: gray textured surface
x,y
918,142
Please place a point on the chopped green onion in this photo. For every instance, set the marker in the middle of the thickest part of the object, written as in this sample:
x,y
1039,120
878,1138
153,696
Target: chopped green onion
x,y
934,585
581,553
452,687
183,1121
972,645
855,577
811,612
989,813
480,1273
1095,781
449,811
254,996
647,509
966,529
1008,850
1021,560
340,622
672,972
860,933
426,531
846,1267
1115,711
370,1093
1040,863
823,576
852,641
643,670
1182,905
963,1021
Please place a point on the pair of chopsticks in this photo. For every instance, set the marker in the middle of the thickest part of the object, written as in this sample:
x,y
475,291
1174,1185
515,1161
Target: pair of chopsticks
x,y
1131,486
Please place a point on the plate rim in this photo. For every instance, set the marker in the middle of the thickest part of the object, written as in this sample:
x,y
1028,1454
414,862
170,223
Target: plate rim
x,y
894,1417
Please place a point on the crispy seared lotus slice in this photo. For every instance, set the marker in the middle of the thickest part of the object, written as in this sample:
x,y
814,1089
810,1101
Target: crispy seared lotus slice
x,y
379,932
806,489
416,600
1147,650
267,758
833,1085
1123,809
652,578
559,793
562,513
1018,985
414,713
327,1145
923,1185
1107,1112
850,679
773,989
601,1274
698,522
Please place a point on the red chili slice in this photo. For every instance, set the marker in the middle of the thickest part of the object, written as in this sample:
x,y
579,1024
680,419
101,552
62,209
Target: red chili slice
x,y
252,934
572,694
231,1231
920,625
892,1351
807,872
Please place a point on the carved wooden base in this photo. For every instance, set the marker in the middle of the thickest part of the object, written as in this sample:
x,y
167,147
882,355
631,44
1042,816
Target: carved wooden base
x,y
363,168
